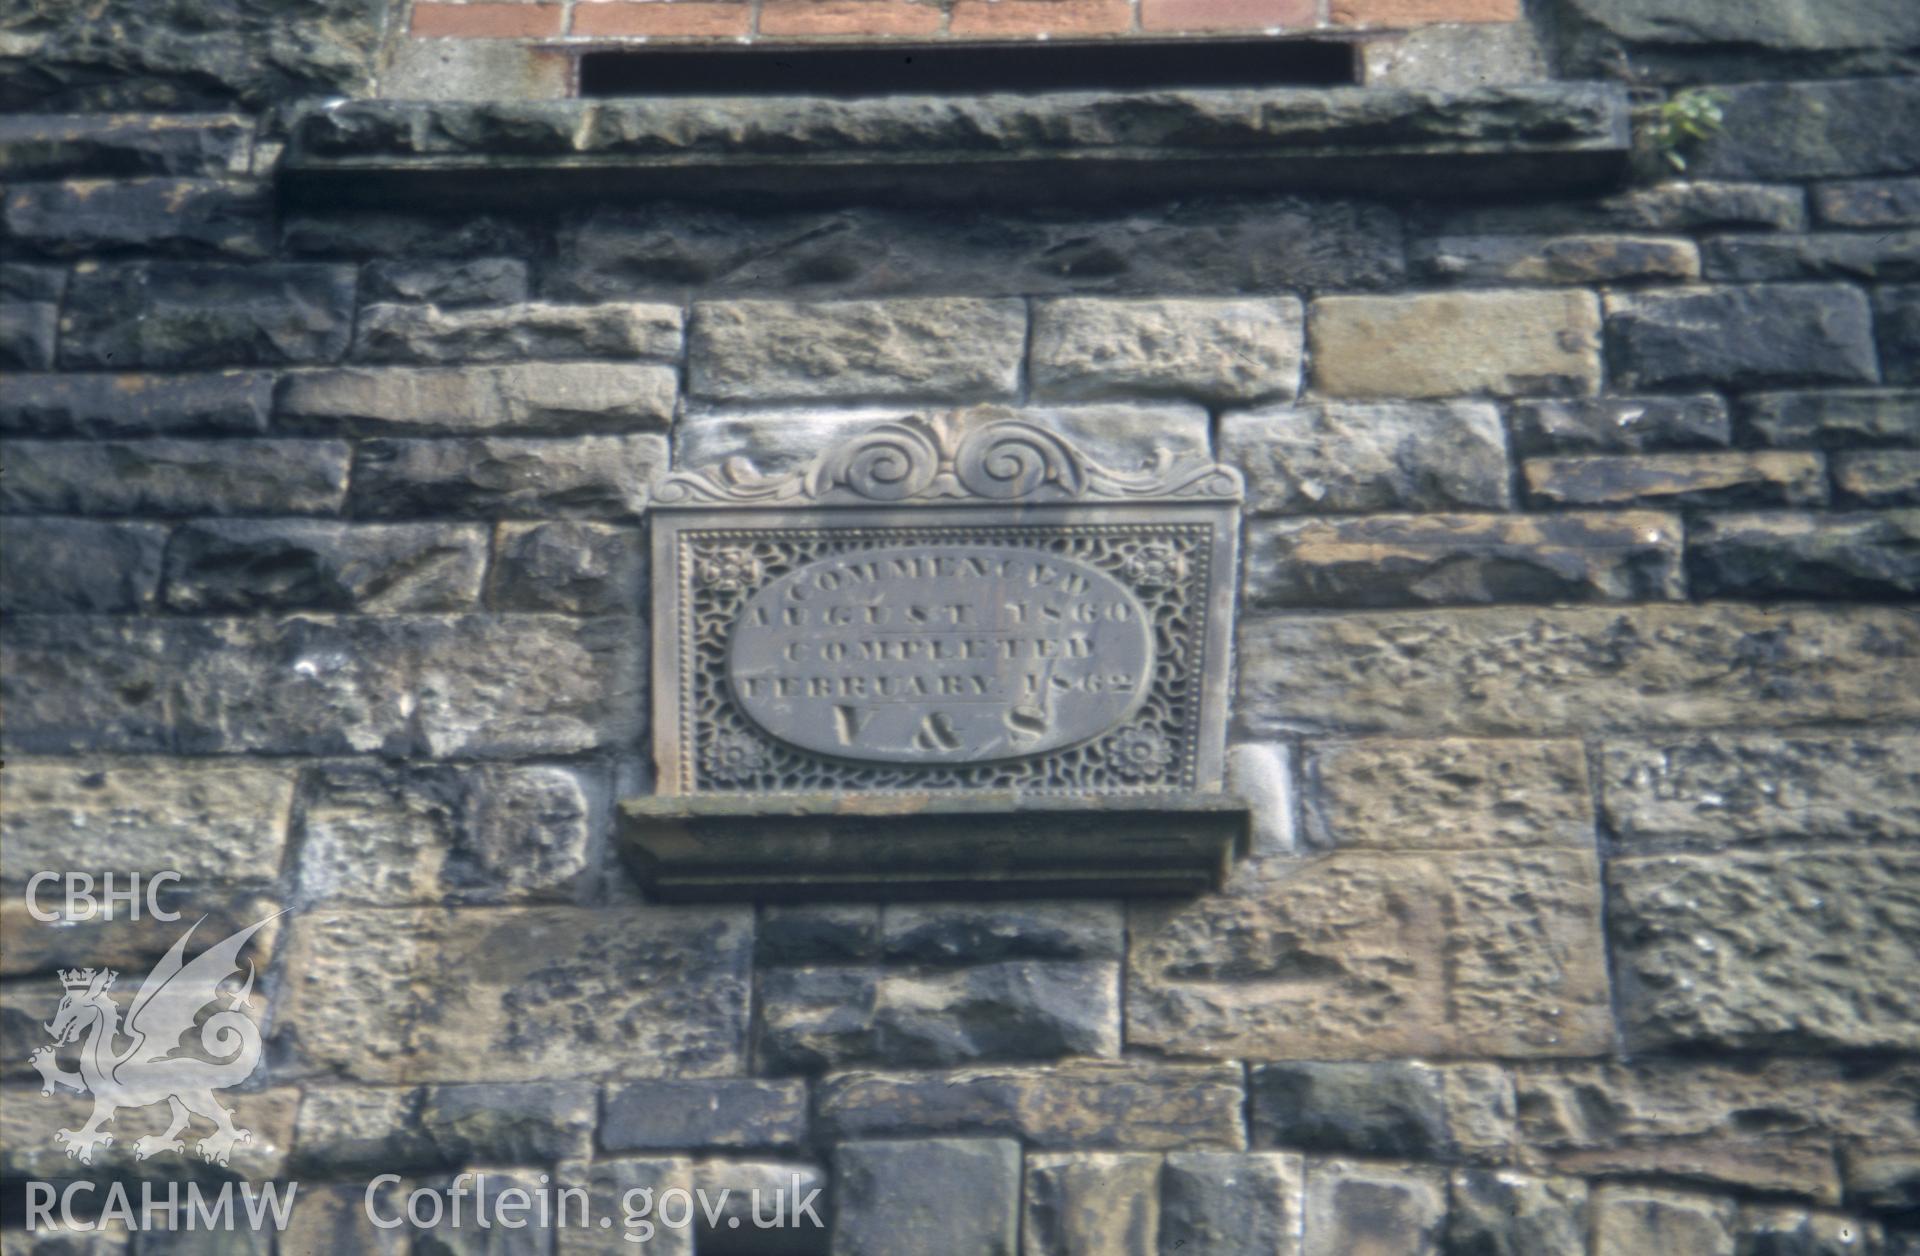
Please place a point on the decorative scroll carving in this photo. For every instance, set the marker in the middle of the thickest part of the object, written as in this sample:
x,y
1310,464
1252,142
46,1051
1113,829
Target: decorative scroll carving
x,y
947,460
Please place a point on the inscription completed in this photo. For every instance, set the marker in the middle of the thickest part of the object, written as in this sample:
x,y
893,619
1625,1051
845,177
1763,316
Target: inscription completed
x,y
940,654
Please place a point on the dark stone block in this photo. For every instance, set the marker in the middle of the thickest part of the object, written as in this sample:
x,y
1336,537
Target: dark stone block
x,y
1619,424
21,282
1869,203
27,334
175,217
1890,255
816,933
255,565
1896,319
733,1113
1717,480
174,477
978,933
1220,1203
1018,1010
55,146
1829,419
1760,336
79,566
1511,1214
590,476
411,237
223,403
813,1018
930,1197
1365,1109
180,314
577,567
1848,557
515,1123
449,285
1818,130
1877,477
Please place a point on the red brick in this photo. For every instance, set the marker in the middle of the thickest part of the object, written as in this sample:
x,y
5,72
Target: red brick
x,y
487,21
1422,12
849,17
1226,15
1041,17
662,18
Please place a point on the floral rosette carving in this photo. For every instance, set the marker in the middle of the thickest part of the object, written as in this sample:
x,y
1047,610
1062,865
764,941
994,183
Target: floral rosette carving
x,y
1140,754
734,759
1156,565
729,570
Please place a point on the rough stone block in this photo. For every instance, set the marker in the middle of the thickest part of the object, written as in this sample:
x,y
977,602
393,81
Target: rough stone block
x,y
1221,351
408,235
1391,1109
1777,1230
214,907
27,333
978,933
331,1217
1832,418
1723,788
1743,338
517,1123
46,145
1887,256
1869,203
79,566
1896,320
1365,956
210,821
366,995
1715,480
1884,1180
1849,557
1496,1212
1219,1203
1681,206
1141,1105
946,348
1607,425
524,397
1808,951
175,315
175,477
176,217
1632,1220
809,1019
667,1114
606,477
614,1187
447,284
1438,560
580,568
536,331
1578,259
816,933
1879,477
1354,1207
1016,1010
227,403
926,1197
1815,130
1342,457
446,686
28,1149
1443,345
1447,794
230,565
1096,1201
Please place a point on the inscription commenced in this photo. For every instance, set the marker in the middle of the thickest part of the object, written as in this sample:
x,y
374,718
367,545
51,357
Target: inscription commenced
x,y
940,654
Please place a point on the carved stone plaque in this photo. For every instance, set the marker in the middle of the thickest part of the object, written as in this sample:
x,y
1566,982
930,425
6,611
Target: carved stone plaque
x,y
960,604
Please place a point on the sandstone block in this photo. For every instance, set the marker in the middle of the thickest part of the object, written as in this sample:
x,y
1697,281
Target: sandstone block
x,y
1502,671
1869,203
214,907
218,566
1628,1220
1096,1201
606,477
1744,338
1852,557
926,1197
1576,259
447,284
172,315
1717,480
1221,351
1619,424
1120,1105
669,1113
1501,1213
1342,457
28,1149
1722,788
367,997
175,477
1831,418
945,348
1216,1203
517,1123
1396,955
611,1183
1414,560
1354,1207
572,566
538,330
80,566
1390,1109
210,821
1447,794
1772,949
1443,345
1881,477
529,397
229,403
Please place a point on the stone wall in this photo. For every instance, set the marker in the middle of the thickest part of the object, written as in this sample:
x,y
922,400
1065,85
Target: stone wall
x,y
1578,684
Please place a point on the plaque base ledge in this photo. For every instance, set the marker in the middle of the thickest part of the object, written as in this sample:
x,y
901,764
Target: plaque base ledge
x,y
771,847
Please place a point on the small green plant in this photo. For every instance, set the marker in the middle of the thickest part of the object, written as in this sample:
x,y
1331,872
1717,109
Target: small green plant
x,y
1685,122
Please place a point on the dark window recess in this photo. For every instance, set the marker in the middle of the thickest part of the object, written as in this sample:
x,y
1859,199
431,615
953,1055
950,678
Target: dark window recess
x,y
971,68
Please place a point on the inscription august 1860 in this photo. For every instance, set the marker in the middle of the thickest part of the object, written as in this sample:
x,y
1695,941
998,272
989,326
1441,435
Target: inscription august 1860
x,y
940,654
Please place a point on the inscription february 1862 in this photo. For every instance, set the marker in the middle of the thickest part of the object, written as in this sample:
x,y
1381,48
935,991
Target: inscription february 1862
x,y
940,654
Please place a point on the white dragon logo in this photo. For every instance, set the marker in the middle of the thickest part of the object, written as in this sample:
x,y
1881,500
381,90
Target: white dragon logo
x,y
147,1071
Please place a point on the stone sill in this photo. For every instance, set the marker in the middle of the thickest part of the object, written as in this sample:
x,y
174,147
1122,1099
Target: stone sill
x,y
825,846
1065,146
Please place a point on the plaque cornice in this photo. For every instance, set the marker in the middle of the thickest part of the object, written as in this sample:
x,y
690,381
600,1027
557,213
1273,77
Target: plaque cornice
x,y
945,460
